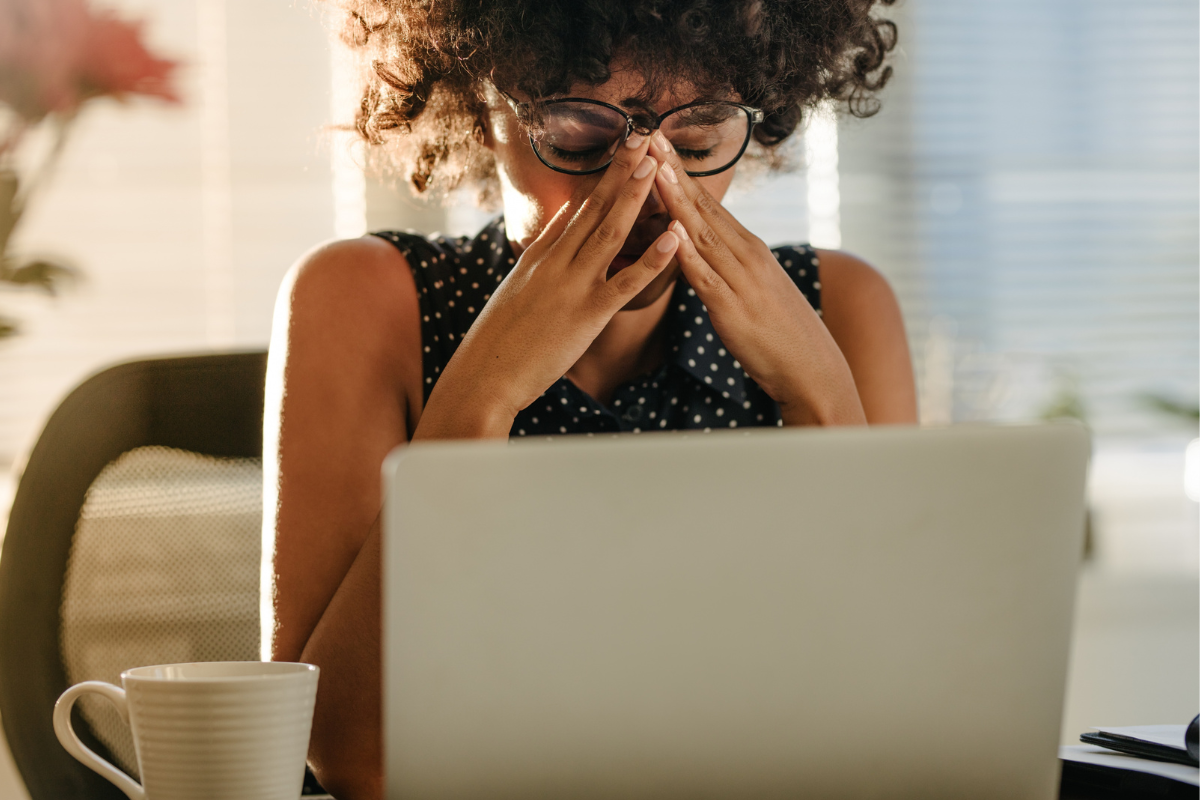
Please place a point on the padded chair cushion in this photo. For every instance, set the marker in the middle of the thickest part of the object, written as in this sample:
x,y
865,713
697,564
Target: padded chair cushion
x,y
164,568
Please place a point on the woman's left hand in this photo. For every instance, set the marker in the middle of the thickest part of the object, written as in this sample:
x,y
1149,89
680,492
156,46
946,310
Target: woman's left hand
x,y
759,313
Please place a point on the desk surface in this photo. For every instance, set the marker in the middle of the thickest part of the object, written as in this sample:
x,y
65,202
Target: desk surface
x,y
1086,782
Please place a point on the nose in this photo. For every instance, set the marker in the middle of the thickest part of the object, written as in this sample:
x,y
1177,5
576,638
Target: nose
x,y
652,206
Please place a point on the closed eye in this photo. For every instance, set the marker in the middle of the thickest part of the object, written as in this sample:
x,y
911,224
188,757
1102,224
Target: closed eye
x,y
575,155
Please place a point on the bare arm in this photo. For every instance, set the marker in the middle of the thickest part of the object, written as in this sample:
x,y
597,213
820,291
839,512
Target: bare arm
x,y
344,383
345,387
862,315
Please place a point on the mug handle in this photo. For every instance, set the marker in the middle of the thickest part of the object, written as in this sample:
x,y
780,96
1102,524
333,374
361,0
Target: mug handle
x,y
66,734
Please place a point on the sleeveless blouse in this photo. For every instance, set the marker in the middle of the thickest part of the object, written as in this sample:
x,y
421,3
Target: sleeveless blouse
x,y
700,386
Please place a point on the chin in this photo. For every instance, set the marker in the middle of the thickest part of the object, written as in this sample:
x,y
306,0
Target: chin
x,y
662,284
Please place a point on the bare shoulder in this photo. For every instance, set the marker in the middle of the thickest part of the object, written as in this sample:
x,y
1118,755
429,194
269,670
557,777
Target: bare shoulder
x,y
852,289
863,316
350,306
357,288
366,271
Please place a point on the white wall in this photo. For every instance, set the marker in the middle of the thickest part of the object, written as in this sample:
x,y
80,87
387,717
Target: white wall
x,y
183,219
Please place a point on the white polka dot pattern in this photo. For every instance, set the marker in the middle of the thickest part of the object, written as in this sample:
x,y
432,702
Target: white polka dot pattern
x,y
700,387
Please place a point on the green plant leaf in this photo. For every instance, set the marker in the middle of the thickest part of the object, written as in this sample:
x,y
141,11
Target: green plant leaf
x,y
39,274
1067,401
1182,411
9,184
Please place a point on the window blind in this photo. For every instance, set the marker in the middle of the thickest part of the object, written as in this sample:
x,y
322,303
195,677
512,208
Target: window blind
x,y
1031,189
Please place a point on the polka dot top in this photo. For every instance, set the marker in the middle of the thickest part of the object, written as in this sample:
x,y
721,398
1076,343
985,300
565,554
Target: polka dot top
x,y
701,386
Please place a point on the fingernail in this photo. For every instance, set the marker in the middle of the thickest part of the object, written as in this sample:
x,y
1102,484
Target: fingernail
x,y
661,142
679,230
634,141
666,244
645,168
668,173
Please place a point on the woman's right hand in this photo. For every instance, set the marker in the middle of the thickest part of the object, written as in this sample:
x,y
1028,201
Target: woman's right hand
x,y
550,307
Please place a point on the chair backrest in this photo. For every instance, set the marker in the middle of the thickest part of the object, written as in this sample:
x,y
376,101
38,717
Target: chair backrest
x,y
134,538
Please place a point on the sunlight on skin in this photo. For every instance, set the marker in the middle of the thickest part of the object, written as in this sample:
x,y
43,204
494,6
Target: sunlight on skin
x,y
533,193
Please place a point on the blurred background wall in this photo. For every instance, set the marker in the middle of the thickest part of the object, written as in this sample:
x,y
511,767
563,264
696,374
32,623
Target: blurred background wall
x,y
1030,188
182,219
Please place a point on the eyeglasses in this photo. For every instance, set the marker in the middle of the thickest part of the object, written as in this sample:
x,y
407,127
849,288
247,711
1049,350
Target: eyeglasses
x,y
579,136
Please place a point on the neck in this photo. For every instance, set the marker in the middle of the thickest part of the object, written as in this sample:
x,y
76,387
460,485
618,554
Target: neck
x,y
633,343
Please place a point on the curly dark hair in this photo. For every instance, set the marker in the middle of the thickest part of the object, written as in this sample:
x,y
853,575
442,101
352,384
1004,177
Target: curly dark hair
x,y
425,63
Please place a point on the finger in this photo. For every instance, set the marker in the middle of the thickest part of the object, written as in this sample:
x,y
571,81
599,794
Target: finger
x,y
708,241
609,236
716,214
710,287
625,285
558,223
596,207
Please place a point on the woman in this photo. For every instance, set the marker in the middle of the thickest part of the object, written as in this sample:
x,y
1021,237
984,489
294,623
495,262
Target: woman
x,y
614,294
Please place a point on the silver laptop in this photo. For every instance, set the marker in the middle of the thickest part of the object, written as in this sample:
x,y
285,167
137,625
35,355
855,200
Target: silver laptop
x,y
780,613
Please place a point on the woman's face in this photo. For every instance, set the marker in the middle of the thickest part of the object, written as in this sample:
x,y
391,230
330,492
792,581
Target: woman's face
x,y
533,193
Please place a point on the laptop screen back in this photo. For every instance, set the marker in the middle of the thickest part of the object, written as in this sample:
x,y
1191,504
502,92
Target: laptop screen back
x,y
849,613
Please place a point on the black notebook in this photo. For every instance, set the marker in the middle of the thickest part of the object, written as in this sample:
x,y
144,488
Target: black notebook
x,y
1179,744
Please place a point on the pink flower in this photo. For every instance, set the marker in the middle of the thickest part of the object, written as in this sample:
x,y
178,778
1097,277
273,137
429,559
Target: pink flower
x,y
55,54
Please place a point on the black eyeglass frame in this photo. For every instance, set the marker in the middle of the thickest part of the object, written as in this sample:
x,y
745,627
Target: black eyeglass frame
x,y
755,115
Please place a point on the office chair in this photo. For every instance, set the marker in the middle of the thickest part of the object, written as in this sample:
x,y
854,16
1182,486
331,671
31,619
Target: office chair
x,y
134,538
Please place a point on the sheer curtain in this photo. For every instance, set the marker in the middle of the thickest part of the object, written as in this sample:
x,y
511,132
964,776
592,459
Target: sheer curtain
x,y
1032,187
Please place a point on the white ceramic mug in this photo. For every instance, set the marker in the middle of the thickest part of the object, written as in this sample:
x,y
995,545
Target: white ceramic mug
x,y
214,730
